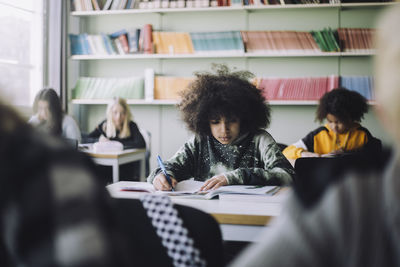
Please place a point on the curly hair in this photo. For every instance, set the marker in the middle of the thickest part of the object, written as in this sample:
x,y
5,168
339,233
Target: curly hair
x,y
342,103
224,94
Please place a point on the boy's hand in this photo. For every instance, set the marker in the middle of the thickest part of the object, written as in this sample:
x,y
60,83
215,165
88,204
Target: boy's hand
x,y
333,153
215,182
160,182
306,154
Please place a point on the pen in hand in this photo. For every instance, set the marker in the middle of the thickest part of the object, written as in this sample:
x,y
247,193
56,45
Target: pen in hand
x,y
161,164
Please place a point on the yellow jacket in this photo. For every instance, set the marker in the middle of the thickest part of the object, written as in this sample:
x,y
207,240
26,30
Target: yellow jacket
x,y
323,141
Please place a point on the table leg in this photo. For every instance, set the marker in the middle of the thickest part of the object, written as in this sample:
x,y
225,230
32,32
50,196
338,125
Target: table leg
x,y
142,170
115,170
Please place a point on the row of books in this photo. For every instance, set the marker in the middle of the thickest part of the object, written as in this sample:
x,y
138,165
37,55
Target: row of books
x,y
164,87
106,88
146,41
362,84
313,88
130,88
137,40
356,39
91,5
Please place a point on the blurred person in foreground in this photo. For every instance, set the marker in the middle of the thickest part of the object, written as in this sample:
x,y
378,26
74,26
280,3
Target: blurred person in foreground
x,y
357,221
53,211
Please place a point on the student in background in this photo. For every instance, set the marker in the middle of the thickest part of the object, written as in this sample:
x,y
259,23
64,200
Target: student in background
x,y
50,117
118,126
343,110
356,223
53,212
228,116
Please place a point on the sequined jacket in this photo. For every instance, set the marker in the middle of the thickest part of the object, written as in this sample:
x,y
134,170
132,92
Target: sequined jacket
x,y
250,159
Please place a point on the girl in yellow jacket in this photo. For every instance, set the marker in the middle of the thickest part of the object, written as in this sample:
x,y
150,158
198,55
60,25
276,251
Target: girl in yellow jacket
x,y
343,110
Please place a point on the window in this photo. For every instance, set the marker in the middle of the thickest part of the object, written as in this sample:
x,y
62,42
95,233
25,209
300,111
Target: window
x,y
21,50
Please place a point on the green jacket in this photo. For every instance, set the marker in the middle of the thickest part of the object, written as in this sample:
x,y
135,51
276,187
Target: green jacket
x,y
250,159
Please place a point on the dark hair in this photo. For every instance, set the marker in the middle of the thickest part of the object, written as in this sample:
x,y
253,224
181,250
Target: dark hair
x,y
224,94
346,105
54,125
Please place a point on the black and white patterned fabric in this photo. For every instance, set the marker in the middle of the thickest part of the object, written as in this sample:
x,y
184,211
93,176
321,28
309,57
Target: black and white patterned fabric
x,y
169,227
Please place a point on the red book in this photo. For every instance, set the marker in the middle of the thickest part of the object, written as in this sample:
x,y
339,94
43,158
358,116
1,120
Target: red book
x,y
148,39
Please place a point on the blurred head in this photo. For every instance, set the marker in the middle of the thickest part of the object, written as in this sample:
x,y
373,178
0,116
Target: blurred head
x,y
387,70
118,118
47,107
223,98
341,108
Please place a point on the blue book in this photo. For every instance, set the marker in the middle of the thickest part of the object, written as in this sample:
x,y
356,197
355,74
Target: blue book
x,y
118,33
108,44
76,47
85,44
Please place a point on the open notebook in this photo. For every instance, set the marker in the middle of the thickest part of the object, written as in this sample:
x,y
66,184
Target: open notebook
x,y
191,188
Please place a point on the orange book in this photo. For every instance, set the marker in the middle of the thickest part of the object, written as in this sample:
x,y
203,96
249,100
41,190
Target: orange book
x,y
170,87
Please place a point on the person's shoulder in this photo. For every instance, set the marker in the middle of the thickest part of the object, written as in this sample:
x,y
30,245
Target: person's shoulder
x,y
132,124
363,129
68,119
261,134
262,138
319,130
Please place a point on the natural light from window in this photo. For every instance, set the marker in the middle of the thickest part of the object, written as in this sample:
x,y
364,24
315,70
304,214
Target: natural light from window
x,y
21,50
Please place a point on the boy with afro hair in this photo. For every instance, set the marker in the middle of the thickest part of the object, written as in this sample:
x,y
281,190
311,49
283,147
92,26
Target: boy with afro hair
x,y
228,115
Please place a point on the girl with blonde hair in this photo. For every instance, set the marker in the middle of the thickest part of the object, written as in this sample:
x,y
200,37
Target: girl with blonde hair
x,y
119,126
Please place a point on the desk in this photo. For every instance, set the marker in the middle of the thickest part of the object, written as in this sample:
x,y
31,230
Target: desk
x,y
239,220
115,159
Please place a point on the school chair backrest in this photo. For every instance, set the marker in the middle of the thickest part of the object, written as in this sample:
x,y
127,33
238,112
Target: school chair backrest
x,y
315,175
144,245
147,139
71,142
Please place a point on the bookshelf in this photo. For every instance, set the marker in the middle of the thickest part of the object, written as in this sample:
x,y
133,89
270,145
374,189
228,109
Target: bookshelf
x,y
160,117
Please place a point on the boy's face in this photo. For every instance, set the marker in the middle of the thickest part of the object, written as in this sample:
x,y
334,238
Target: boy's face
x,y
337,125
225,130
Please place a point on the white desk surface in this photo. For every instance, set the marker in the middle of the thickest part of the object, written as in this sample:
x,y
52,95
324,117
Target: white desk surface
x,y
116,158
113,154
239,220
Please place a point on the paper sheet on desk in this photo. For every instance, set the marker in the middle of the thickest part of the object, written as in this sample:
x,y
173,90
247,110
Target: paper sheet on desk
x,y
183,187
190,188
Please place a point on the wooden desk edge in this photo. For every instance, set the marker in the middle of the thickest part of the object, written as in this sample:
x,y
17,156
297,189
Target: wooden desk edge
x,y
114,156
256,220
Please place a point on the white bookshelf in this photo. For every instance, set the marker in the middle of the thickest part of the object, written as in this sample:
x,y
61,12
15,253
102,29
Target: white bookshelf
x,y
223,55
161,117
226,8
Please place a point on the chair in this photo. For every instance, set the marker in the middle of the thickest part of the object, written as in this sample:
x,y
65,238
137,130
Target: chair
x,y
71,142
147,139
314,175
143,244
